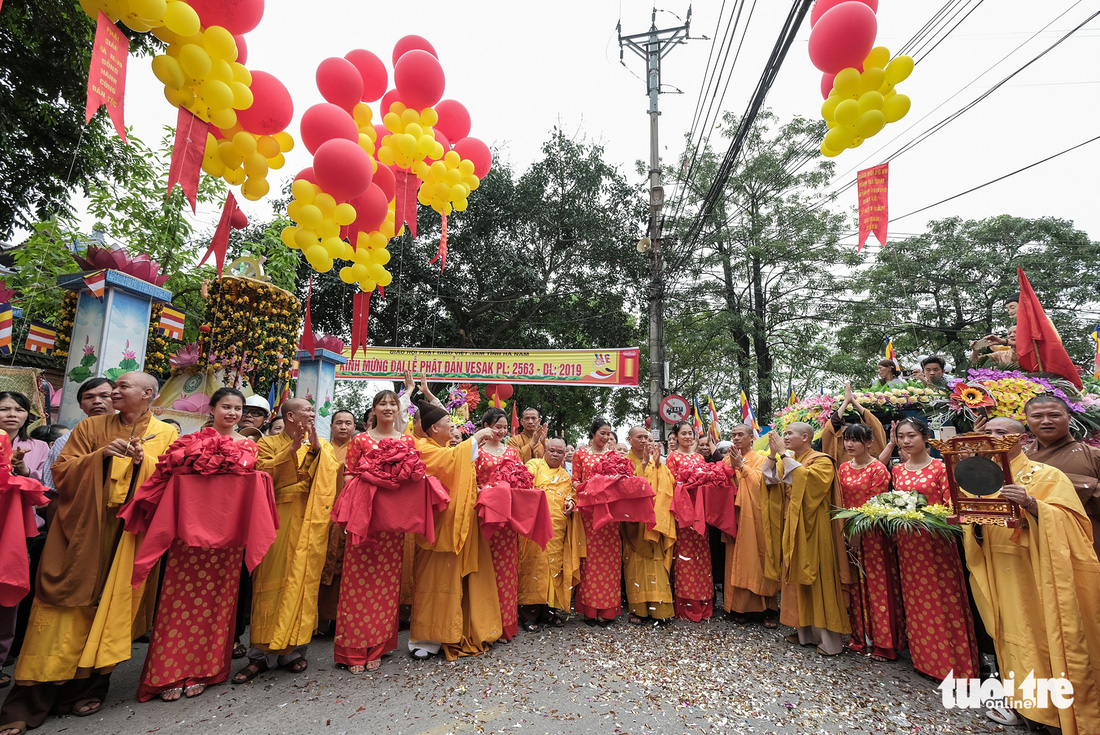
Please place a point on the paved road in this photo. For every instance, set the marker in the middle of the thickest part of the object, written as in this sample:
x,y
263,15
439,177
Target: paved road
x,y
711,677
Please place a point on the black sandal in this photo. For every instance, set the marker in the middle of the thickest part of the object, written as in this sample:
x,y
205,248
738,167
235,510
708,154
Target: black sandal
x,y
635,620
250,672
297,666
531,626
555,620
5,681
239,650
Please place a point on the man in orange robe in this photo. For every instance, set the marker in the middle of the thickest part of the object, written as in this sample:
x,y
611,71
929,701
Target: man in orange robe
x,y
531,443
84,608
648,552
815,565
455,604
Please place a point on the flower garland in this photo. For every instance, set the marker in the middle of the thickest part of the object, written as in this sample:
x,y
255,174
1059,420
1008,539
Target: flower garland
x,y
898,512
65,327
157,347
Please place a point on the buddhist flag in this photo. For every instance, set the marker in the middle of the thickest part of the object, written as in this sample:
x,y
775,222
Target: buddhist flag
x,y
171,322
891,355
715,434
1039,348
1096,359
5,329
696,421
40,338
747,416
96,283
792,398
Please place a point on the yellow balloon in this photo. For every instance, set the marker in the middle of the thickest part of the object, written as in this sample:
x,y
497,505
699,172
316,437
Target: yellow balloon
x,y
386,156
306,239
242,96
276,162
870,101
466,168
895,107
344,214
181,19
415,130
393,123
268,146
244,143
220,70
870,122
303,191
255,165
899,69
838,138
326,203
217,95
877,59
452,159
315,254
429,117
194,60
410,116
406,144
255,189
219,43
460,205
286,141
288,237
229,154
380,256
871,79
168,71
828,152
847,113
334,246
310,216
226,118
828,109
362,114
240,73
385,279
846,82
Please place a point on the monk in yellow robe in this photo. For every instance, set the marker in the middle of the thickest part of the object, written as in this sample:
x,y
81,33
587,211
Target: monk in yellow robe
x,y
342,429
749,587
547,576
531,442
815,565
1038,590
284,585
648,552
83,613
455,604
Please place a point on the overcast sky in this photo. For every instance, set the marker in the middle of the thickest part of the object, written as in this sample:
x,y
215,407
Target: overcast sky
x,y
523,68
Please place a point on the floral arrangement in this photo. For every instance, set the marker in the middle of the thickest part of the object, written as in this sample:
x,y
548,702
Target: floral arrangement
x,y
613,464
515,474
251,331
708,473
157,347
459,407
813,410
65,327
914,395
389,464
898,512
207,452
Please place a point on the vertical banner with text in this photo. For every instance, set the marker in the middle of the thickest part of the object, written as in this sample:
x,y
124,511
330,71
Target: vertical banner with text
x,y
873,210
107,74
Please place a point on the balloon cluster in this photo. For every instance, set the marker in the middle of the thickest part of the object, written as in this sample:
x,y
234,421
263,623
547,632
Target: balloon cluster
x,y
203,71
859,78
344,206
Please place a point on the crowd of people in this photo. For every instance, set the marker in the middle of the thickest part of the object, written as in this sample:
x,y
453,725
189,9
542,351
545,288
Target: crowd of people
x,y
257,524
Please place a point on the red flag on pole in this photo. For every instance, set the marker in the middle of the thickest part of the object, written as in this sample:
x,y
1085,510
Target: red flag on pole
x,y
873,207
515,418
360,314
305,344
107,74
1039,347
187,153
220,242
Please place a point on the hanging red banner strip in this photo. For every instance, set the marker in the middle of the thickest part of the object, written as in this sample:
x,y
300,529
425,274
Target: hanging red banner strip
x,y
873,210
220,242
306,343
441,254
405,201
107,74
360,314
187,155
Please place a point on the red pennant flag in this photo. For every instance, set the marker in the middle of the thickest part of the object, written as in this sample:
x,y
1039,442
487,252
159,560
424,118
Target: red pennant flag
x,y
1039,348
360,314
220,242
405,201
515,418
107,74
305,344
441,254
873,206
187,153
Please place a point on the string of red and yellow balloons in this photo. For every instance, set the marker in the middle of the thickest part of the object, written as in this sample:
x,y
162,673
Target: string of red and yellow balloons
x,y
859,78
344,206
203,71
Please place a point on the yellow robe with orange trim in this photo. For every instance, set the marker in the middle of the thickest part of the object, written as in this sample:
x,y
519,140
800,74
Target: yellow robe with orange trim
x,y
455,599
1038,592
285,584
813,574
648,552
748,587
548,577
88,623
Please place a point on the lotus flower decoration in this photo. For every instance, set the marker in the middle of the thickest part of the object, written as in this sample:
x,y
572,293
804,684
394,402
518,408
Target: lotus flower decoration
x,y
329,342
194,403
139,266
185,356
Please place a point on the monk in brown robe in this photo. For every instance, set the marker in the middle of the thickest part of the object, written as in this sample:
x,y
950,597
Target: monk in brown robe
x,y
815,565
82,618
749,587
531,442
1048,419
328,595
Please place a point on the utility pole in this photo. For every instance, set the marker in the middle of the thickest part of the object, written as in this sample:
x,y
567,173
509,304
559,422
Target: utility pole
x,y
652,46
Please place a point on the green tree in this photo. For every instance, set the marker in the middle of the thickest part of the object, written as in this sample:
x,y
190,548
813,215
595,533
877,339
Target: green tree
x,y
46,151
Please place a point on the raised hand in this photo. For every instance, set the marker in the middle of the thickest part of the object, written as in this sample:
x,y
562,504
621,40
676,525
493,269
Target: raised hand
x,y
314,440
296,432
408,383
775,443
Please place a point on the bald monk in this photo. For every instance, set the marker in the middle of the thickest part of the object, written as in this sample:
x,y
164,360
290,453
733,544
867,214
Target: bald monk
x,y
1038,590
455,604
531,443
285,584
83,613
751,583
832,443
648,552
1048,419
812,569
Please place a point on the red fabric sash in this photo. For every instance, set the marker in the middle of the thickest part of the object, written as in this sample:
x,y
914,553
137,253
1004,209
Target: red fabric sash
x,y
523,509
606,499
370,505
18,498
705,495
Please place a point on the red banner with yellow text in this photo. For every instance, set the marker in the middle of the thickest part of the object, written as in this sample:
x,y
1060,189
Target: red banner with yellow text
x,y
873,210
107,74
609,368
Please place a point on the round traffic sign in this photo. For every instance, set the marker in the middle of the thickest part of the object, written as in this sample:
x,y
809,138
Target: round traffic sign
x,y
674,408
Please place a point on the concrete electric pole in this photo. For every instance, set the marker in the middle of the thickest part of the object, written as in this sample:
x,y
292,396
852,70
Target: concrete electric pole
x,y
652,46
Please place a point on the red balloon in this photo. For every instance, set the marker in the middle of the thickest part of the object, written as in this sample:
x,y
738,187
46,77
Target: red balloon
x,y
843,37
371,207
442,140
236,16
388,99
242,49
474,150
325,122
386,181
343,169
307,174
827,85
271,110
339,82
454,119
238,220
419,79
409,43
380,132
372,70
823,6
503,391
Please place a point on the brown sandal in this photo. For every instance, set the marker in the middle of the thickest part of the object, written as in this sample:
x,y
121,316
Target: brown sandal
x,y
297,666
248,673
19,727
87,707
